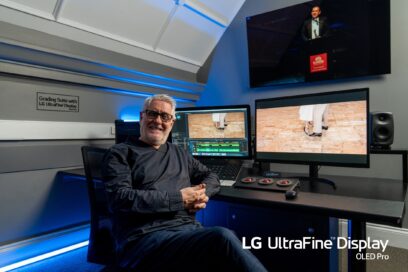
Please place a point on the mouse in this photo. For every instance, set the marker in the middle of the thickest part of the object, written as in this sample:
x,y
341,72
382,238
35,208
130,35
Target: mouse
x,y
290,194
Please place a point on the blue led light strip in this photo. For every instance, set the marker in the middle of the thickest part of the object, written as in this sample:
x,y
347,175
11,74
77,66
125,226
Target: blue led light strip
x,y
43,256
119,91
204,16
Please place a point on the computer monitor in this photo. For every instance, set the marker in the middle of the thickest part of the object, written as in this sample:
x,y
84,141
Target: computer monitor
x,y
315,129
214,132
126,131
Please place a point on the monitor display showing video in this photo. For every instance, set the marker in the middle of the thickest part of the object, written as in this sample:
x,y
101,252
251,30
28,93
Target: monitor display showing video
x,y
328,128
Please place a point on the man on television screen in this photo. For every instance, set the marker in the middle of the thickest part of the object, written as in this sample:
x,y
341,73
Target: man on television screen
x,y
315,27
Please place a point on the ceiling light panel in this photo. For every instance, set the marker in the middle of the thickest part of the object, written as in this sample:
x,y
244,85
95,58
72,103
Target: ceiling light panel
x,y
134,22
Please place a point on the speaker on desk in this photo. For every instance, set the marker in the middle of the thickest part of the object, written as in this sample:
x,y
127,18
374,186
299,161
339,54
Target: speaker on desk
x,y
382,130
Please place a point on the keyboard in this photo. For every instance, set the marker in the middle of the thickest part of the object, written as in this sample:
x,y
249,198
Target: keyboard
x,y
227,172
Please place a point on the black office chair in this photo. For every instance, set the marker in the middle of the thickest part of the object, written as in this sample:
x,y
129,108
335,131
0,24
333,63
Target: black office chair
x,y
101,248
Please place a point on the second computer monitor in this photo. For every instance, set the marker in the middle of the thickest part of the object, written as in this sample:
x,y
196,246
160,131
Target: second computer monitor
x,y
316,129
214,132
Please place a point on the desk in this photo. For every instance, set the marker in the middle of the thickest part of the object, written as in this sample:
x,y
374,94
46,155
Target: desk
x,y
360,200
372,200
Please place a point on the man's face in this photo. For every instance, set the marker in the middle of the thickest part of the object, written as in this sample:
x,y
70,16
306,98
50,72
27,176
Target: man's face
x,y
155,130
315,12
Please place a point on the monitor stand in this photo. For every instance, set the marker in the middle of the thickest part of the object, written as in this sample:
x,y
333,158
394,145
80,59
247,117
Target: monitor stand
x,y
314,177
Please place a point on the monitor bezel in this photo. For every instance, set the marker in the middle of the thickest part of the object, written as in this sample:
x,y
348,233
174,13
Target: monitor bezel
x,y
227,107
317,162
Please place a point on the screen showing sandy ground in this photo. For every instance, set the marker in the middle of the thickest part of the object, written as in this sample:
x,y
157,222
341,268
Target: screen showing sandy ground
x,y
282,130
203,126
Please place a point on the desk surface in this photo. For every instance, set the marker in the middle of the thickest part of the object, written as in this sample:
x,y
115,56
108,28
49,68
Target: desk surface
x,y
364,199
370,210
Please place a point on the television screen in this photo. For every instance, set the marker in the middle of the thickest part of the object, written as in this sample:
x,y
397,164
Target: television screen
x,y
317,129
319,40
214,132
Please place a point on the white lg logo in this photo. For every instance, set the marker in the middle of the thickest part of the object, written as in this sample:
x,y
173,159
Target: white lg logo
x,y
256,243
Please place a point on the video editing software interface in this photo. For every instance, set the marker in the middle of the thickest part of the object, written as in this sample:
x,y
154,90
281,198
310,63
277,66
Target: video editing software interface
x,y
217,132
323,129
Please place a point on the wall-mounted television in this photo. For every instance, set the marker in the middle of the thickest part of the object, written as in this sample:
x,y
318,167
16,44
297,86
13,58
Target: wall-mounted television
x,y
351,38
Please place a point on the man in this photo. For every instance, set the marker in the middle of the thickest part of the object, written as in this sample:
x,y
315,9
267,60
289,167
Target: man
x,y
154,190
315,27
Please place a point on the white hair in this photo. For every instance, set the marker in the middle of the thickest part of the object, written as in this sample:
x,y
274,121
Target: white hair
x,y
161,97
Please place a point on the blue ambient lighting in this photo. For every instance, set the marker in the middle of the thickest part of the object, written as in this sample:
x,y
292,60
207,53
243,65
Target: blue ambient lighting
x,y
205,16
119,91
129,117
130,71
43,256
141,82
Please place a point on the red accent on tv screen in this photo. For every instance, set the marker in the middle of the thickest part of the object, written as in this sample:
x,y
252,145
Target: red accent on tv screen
x,y
318,63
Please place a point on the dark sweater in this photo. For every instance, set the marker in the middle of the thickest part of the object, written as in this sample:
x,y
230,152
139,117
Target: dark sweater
x,y
143,187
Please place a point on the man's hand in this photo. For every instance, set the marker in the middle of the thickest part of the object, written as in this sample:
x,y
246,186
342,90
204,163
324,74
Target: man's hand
x,y
194,198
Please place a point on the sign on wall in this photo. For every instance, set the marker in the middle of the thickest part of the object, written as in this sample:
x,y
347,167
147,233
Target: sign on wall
x,y
57,102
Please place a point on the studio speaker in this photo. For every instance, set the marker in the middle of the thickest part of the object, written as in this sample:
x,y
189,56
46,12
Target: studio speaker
x,y
382,130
